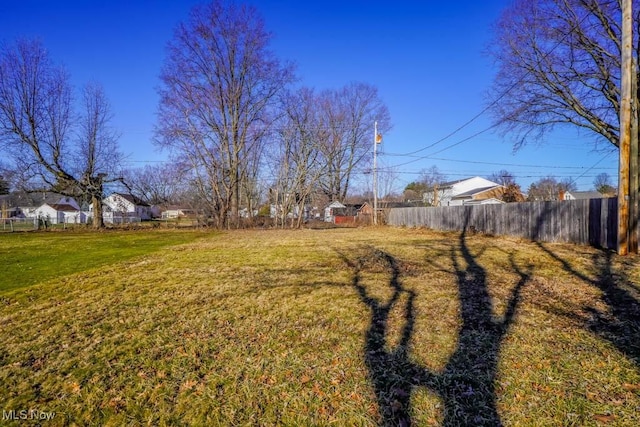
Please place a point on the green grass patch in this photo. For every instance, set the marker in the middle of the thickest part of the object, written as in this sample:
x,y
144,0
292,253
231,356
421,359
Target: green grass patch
x,y
30,258
357,327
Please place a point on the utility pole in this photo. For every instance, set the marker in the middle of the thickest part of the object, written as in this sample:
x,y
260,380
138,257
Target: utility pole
x,y
633,163
625,129
375,172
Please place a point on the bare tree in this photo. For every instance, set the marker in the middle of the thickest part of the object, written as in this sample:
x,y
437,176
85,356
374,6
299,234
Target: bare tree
x,y
4,186
297,163
559,65
512,192
97,158
156,184
502,177
37,126
251,190
387,179
432,177
6,178
603,184
348,118
432,180
549,188
219,82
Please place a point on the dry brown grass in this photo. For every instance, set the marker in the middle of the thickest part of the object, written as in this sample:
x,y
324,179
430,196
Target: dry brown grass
x,y
318,327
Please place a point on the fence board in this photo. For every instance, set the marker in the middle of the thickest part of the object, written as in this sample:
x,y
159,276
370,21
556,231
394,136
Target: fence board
x,y
590,222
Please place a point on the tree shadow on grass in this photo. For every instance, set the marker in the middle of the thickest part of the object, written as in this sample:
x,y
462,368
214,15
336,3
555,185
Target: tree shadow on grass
x,y
620,324
466,385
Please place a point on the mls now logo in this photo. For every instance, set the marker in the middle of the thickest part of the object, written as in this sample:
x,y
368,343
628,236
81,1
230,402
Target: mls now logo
x,y
24,414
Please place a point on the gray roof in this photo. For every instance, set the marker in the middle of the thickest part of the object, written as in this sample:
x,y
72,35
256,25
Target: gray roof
x,y
470,193
34,199
63,207
582,195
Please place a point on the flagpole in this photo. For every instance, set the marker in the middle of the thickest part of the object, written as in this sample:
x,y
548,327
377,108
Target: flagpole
x,y
375,173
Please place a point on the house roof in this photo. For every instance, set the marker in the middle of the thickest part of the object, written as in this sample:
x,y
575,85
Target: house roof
x,y
448,184
475,191
34,199
356,206
62,207
581,195
133,199
336,204
413,204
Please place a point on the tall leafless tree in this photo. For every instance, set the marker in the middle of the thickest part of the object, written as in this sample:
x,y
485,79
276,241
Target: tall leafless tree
x,y
97,157
502,177
603,183
348,118
52,147
157,184
6,178
433,180
549,188
559,64
296,161
219,83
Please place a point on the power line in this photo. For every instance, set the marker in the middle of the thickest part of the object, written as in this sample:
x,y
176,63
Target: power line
x,y
447,147
494,102
509,164
595,164
516,175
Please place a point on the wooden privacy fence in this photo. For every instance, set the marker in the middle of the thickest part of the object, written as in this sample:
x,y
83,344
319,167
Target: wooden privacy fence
x,y
591,222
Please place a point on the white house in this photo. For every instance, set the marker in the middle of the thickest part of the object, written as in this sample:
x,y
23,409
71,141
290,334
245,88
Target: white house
x,y
332,209
28,204
60,214
119,205
171,212
455,193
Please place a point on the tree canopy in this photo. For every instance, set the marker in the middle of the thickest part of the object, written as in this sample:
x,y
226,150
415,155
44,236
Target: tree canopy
x,y
54,142
549,188
603,184
559,64
220,83
4,186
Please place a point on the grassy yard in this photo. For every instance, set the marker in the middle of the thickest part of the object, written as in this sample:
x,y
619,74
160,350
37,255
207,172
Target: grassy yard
x,y
28,258
317,327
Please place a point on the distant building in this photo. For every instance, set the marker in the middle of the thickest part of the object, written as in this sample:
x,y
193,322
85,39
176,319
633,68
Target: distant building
x,y
339,213
581,195
61,213
458,193
333,209
120,206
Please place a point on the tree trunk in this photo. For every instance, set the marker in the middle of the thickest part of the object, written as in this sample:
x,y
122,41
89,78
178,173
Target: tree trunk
x,y
98,221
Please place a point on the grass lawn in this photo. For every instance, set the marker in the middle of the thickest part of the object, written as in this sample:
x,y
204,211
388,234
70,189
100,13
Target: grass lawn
x,y
372,326
30,258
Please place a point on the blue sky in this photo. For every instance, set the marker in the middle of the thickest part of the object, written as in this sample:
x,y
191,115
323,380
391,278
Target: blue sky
x,y
425,57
